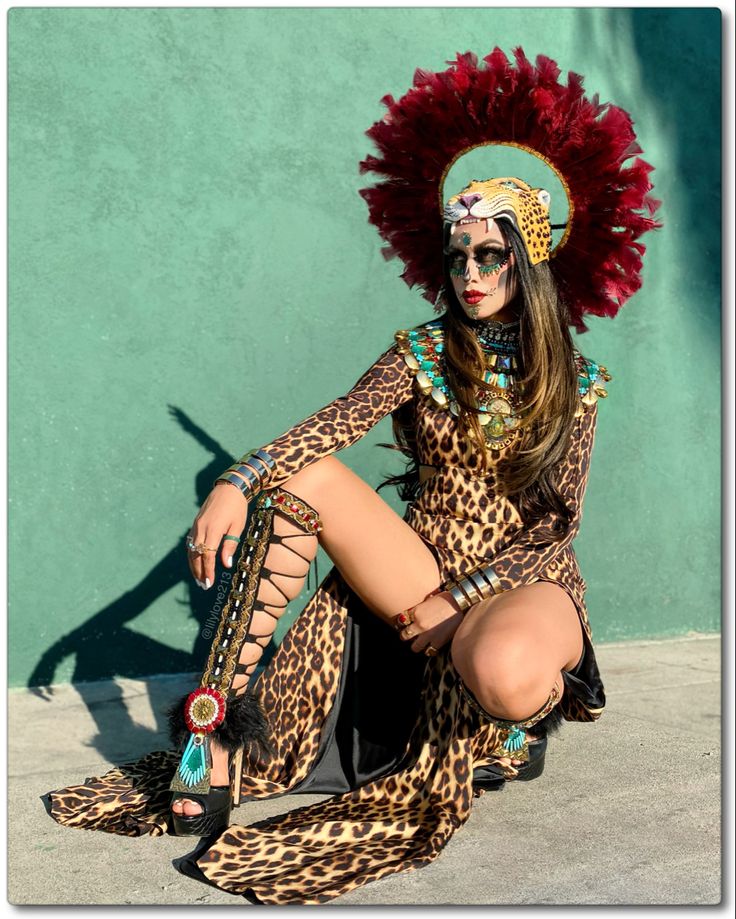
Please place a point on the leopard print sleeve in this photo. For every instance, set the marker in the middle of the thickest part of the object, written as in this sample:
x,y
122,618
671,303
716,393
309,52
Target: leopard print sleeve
x,y
532,549
385,386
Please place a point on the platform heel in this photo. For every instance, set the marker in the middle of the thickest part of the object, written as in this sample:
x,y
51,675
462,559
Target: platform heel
x,y
512,742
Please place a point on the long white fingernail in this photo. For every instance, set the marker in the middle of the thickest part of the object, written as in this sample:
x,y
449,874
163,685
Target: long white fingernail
x,y
198,583
230,561
207,584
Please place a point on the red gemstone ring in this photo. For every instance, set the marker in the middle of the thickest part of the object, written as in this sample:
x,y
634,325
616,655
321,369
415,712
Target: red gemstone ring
x,y
405,618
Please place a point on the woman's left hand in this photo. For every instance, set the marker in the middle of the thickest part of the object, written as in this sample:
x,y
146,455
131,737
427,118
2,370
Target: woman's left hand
x,y
434,622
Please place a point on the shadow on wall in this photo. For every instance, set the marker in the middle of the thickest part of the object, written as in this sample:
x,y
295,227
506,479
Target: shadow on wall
x,y
677,62
104,648
694,122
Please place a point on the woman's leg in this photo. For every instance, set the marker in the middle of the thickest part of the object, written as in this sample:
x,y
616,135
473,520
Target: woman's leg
x,y
378,554
511,649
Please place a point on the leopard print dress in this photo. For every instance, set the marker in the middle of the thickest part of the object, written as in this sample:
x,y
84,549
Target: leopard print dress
x,y
400,775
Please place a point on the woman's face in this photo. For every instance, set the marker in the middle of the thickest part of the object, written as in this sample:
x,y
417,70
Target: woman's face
x,y
482,270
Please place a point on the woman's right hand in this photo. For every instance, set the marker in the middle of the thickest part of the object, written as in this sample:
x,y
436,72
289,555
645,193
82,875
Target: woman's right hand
x,y
434,621
223,513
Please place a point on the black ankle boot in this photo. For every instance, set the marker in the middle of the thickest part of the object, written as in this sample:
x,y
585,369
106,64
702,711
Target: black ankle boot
x,y
492,777
513,738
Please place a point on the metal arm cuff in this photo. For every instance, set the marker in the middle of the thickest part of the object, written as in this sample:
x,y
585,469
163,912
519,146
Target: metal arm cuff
x,y
478,584
251,473
261,462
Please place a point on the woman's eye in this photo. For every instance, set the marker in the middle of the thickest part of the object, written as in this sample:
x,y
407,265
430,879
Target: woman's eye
x,y
457,262
491,257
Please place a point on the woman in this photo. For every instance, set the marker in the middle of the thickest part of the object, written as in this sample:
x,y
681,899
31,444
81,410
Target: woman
x,y
510,648
438,653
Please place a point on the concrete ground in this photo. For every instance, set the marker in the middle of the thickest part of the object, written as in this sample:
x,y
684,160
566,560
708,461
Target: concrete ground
x,y
627,810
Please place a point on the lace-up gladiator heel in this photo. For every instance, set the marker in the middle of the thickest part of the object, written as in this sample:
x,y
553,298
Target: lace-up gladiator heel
x,y
223,708
512,743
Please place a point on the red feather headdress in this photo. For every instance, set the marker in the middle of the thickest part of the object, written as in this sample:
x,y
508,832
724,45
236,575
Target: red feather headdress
x,y
597,262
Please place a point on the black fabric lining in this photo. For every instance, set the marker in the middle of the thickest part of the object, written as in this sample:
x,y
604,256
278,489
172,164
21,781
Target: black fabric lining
x,y
367,732
376,707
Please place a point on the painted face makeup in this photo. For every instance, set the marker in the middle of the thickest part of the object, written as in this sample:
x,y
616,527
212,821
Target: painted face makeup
x,y
481,267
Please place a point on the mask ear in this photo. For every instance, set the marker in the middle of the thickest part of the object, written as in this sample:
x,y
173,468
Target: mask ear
x,y
544,197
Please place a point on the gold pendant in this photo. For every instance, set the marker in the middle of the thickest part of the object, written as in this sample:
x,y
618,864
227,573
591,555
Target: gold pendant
x,y
499,419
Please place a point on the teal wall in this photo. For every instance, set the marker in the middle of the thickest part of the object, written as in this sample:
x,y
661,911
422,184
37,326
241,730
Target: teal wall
x,y
170,168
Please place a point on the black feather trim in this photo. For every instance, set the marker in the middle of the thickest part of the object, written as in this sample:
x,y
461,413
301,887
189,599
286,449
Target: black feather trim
x,y
178,730
550,724
245,725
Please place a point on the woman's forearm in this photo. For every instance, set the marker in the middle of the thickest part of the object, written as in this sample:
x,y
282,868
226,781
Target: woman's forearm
x,y
385,386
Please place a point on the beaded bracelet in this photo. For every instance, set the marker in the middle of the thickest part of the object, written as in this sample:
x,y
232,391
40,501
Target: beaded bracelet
x,y
474,587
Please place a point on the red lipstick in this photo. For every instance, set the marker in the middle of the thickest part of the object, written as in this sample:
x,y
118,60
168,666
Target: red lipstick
x,y
473,296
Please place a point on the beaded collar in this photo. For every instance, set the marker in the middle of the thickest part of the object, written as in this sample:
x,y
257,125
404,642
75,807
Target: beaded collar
x,y
501,337
499,411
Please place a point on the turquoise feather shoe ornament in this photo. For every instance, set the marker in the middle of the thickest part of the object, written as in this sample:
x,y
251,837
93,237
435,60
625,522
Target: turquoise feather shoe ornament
x,y
515,741
204,710
511,737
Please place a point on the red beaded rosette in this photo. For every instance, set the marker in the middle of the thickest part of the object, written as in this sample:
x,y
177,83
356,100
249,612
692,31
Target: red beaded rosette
x,y
590,146
204,710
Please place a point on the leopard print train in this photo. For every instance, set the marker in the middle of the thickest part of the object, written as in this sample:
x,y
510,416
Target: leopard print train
x,y
329,695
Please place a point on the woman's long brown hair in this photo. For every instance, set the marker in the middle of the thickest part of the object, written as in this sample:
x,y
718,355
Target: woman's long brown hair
x,y
526,474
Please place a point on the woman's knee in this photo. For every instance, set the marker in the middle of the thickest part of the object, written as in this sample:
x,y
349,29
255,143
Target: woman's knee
x,y
509,678
320,483
315,475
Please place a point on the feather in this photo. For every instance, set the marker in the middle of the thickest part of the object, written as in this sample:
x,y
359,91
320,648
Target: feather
x,y
245,725
473,102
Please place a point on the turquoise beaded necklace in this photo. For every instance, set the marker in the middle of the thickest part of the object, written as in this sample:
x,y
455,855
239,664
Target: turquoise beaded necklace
x,y
498,409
